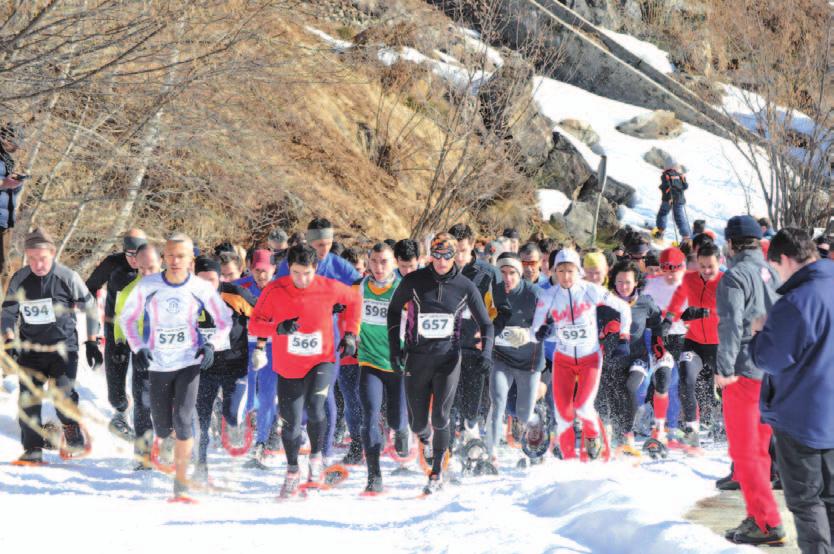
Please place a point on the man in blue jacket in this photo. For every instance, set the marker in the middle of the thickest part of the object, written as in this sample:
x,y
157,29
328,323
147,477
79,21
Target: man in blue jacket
x,y
319,235
794,346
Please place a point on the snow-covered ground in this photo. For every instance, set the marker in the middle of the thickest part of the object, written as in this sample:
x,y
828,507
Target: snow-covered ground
x,y
646,51
717,172
98,504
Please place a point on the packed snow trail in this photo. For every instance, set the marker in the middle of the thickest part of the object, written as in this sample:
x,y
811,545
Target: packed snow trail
x,y
99,504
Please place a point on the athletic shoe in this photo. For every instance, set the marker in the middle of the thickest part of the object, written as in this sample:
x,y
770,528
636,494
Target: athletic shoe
x,y
31,456
74,437
256,460
273,443
374,484
749,533
593,447
120,427
434,485
314,468
401,443
291,482
691,438
746,522
727,483
657,233
142,466
180,489
200,474
354,454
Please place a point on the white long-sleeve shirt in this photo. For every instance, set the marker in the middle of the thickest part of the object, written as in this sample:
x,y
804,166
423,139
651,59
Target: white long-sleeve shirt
x,y
574,313
171,314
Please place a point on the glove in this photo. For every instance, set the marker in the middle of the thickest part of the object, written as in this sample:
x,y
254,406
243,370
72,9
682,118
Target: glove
x,y
518,337
259,359
143,358
338,308
694,313
622,350
545,330
287,327
611,328
484,365
94,356
207,352
120,354
398,362
347,346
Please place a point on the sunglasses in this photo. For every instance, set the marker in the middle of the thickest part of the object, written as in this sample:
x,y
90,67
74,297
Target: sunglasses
x,y
671,267
530,263
443,255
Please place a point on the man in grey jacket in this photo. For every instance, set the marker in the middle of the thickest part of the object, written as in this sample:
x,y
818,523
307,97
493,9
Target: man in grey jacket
x,y
746,292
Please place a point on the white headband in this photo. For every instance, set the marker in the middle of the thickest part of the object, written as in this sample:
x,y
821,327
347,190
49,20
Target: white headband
x,y
511,262
319,234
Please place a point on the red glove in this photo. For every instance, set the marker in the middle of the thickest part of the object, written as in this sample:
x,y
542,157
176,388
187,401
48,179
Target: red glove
x,y
611,328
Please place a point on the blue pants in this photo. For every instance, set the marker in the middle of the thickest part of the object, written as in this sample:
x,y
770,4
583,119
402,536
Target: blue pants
x,y
262,394
373,386
349,385
679,212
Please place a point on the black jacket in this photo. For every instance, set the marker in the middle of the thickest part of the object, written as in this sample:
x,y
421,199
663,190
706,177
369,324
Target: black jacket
x,y
118,280
234,360
672,186
100,275
483,276
425,292
517,308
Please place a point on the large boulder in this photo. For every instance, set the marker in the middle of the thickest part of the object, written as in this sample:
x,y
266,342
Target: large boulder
x,y
579,220
507,112
608,13
581,130
659,124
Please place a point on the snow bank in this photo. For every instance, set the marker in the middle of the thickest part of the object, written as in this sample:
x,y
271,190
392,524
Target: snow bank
x,y
717,173
552,202
337,44
646,51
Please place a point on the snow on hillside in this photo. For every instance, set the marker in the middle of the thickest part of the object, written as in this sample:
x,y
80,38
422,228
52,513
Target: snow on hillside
x,y
98,504
715,168
646,51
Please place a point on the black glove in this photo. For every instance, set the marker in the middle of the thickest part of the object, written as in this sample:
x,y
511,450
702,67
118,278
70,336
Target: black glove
x,y
694,313
347,346
622,350
143,358
338,308
545,330
287,327
398,362
94,356
484,365
207,352
120,354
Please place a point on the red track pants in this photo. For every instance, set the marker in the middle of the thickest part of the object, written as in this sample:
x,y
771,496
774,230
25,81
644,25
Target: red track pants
x,y
582,376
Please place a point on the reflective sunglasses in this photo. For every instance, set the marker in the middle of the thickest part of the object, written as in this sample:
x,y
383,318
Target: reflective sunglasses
x,y
670,267
443,255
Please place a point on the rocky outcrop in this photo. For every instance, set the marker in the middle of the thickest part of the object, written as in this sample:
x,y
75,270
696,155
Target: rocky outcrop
x,y
581,130
660,124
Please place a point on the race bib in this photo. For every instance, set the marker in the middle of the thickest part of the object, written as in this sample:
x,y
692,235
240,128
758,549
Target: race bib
x,y
576,335
435,326
374,312
208,335
300,344
513,337
38,312
171,338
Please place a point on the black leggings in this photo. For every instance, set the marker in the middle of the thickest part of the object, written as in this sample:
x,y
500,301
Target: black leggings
x,y
173,401
472,391
375,384
295,396
45,366
234,403
116,374
696,369
427,377
142,424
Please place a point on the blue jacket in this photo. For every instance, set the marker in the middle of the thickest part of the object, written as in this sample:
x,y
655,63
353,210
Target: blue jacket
x,y
9,200
796,351
331,266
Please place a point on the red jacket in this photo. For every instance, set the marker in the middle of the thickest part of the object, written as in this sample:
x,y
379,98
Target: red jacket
x,y
295,355
696,293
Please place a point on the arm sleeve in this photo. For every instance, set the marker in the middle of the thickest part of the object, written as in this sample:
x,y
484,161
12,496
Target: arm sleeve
x,y
730,308
780,344
261,321
11,306
352,316
82,297
395,312
98,278
132,311
481,316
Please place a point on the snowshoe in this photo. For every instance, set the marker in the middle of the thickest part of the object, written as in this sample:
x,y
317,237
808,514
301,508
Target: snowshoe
x,y
237,439
655,449
53,436
374,486
162,455
120,427
593,447
484,467
536,438
181,494
292,482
